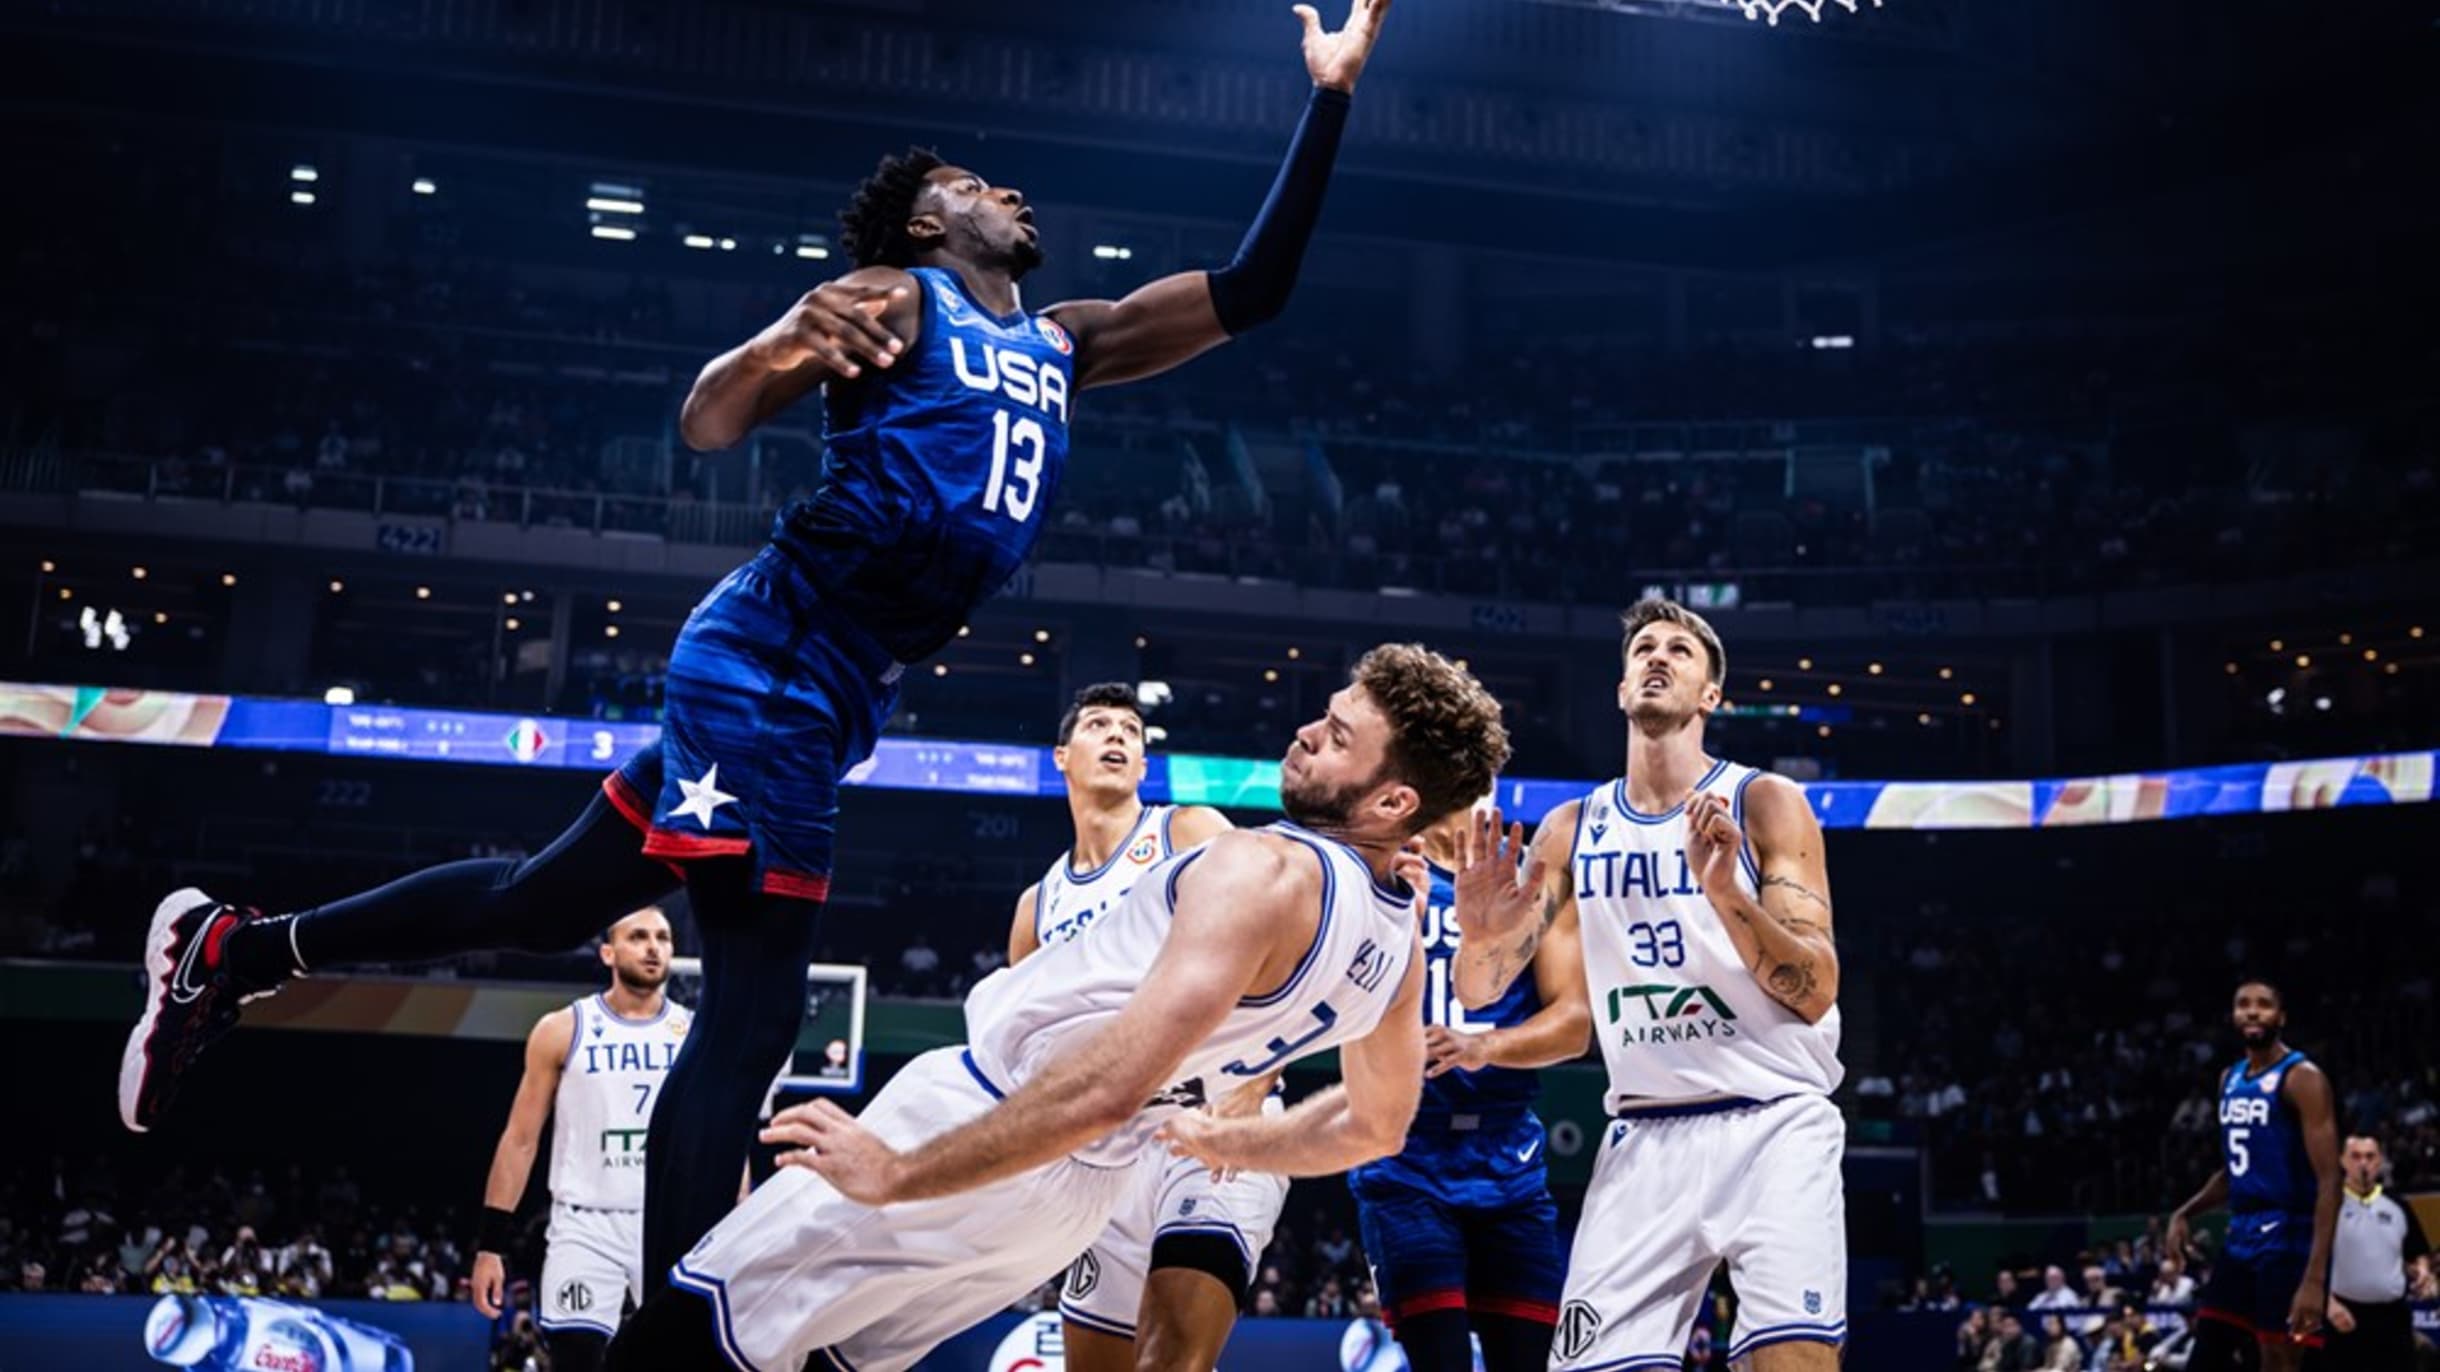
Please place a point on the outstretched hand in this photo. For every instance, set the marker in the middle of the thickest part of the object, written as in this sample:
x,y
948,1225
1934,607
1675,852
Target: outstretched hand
x,y
1495,900
1336,58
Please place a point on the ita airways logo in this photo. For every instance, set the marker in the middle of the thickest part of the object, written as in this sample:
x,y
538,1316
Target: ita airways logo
x,y
1658,1012
526,740
1055,336
1579,1325
1144,850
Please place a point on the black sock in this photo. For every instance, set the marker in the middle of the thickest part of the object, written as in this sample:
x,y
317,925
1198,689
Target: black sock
x,y
1513,1344
1436,1341
755,948
671,1332
575,1350
590,876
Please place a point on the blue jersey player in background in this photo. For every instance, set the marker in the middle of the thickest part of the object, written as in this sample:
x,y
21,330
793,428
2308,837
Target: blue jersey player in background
x,y
947,406
1460,1227
2279,1178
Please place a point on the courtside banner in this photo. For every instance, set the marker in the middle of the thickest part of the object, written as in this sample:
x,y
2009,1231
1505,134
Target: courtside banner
x,y
97,714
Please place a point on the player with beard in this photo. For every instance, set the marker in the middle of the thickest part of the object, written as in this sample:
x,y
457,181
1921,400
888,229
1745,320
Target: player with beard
x,y
2279,1178
946,408
1700,896
1160,1286
976,1170
591,1069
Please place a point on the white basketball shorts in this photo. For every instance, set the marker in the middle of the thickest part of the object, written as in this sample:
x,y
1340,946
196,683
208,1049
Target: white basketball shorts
x,y
1675,1194
799,1267
1167,1195
592,1263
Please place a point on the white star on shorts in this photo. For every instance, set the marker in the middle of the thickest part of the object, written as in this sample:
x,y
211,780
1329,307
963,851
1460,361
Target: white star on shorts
x,y
702,797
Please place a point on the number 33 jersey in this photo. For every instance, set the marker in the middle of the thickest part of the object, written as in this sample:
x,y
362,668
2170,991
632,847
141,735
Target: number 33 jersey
x,y
939,472
1677,1012
1022,1019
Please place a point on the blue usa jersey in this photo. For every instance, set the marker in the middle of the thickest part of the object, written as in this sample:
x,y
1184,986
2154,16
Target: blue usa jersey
x,y
1491,1088
940,470
2271,1186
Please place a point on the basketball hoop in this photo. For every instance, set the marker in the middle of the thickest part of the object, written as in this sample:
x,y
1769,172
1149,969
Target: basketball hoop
x,y
1772,9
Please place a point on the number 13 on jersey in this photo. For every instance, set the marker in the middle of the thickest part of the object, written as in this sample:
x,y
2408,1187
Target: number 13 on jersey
x,y
1013,488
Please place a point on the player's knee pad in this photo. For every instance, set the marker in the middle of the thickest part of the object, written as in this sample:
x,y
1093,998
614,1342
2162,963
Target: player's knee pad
x,y
1214,1254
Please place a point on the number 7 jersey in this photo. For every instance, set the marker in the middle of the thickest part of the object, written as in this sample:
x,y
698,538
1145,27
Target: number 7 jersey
x,y
1678,1014
939,470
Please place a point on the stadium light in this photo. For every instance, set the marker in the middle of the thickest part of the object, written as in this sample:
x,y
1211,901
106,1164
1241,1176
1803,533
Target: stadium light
x,y
728,245
619,233
300,197
1111,252
813,247
304,172
1152,695
228,578
339,695
940,669
1832,342
424,185
698,240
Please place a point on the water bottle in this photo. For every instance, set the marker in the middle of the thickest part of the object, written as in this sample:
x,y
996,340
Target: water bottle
x,y
249,1334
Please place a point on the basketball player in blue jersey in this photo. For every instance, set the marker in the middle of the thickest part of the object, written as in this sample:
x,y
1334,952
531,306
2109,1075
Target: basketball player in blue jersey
x,y
2279,1178
947,410
1460,1227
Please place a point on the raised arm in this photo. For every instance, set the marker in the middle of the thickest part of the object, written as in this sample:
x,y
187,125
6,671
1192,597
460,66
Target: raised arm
x,y
1503,913
1362,1118
1169,321
1785,935
512,1160
1230,926
1023,939
2307,1088
867,318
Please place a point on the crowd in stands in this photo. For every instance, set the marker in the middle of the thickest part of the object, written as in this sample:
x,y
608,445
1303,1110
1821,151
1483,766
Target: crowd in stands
x,y
86,1227
2049,1084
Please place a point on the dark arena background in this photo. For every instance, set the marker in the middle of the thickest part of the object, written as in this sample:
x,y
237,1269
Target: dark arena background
x,y
2041,399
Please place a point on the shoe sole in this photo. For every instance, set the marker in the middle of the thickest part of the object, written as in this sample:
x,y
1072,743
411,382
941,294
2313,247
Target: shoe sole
x,y
133,1059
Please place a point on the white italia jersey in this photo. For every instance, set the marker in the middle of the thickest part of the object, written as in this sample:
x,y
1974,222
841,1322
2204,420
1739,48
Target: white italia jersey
x,y
606,1089
1678,1014
1068,901
1020,1019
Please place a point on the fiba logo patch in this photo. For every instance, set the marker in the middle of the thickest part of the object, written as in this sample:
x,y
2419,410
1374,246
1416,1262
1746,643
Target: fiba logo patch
x,y
1084,1276
1579,1324
1054,335
1145,850
575,1298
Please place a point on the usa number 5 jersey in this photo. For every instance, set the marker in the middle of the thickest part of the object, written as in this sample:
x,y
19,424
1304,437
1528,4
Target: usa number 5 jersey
x,y
940,470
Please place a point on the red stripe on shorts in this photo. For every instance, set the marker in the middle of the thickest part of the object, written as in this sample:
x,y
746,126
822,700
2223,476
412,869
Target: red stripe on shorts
x,y
1426,1303
623,798
663,843
1539,1312
796,885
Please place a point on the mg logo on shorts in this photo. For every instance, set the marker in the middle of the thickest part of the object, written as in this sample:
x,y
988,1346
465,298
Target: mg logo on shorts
x,y
1579,1324
1084,1276
575,1298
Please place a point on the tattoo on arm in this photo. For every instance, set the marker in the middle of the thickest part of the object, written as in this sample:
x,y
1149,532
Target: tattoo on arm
x,y
1791,983
1797,887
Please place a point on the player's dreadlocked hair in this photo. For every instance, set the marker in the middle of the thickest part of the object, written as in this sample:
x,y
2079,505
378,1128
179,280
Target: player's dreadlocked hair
x,y
873,227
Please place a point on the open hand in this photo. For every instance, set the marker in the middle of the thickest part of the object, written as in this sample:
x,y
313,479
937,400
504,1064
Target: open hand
x,y
1336,59
1495,901
827,1141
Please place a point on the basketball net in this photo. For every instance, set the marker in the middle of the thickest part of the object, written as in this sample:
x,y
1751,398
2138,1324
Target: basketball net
x,y
1772,9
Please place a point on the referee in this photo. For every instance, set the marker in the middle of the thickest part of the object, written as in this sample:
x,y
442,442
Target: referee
x,y
2380,1258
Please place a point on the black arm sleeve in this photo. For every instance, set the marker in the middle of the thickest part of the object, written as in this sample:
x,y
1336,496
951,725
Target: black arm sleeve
x,y
1253,288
